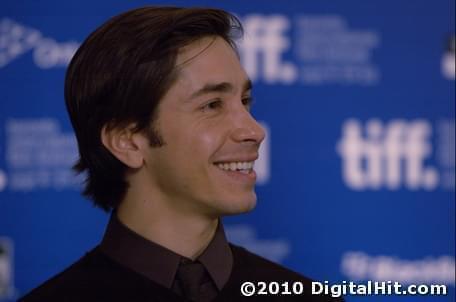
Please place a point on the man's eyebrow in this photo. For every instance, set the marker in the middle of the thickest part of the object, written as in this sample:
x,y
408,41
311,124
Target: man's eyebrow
x,y
247,85
219,87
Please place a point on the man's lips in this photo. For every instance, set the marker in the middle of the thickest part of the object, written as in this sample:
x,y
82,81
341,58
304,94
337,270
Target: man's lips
x,y
238,170
235,159
238,167
242,175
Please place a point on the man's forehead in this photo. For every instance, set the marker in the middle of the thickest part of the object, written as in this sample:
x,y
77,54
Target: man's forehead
x,y
210,64
195,49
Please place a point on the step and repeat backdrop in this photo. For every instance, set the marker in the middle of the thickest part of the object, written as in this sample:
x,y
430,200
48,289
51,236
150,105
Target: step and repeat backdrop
x,y
356,179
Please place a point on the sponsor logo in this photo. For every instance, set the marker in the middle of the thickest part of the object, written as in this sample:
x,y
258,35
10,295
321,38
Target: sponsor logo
x,y
331,52
39,155
360,266
17,39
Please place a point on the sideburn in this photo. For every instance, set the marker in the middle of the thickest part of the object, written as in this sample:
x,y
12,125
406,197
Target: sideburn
x,y
154,137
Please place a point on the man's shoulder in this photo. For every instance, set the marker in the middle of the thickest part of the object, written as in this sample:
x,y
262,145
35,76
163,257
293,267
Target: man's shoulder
x,y
70,281
95,277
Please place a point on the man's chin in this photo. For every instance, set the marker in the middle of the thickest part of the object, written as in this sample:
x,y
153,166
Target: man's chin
x,y
239,206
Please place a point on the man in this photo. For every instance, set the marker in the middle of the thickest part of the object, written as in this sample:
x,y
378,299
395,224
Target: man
x,y
160,107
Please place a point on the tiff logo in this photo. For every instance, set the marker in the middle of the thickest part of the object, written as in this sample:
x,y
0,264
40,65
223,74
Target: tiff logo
x,y
389,155
264,43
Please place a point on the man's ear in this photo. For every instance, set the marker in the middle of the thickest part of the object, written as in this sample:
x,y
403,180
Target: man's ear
x,y
124,144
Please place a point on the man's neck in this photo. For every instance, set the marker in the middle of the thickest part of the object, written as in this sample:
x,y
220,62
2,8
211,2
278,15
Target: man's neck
x,y
186,235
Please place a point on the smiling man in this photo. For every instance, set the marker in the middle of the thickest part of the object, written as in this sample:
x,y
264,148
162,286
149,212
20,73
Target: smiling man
x,y
161,110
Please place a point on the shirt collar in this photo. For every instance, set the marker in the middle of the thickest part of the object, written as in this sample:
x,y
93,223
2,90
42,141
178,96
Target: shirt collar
x,y
159,263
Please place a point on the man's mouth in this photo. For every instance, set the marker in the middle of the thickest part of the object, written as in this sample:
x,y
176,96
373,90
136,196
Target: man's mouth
x,y
245,167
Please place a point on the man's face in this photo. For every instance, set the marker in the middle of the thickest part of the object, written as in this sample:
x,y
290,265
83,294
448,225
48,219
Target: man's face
x,y
211,140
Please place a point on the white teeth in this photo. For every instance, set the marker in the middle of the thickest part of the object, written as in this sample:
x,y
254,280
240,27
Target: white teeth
x,y
243,167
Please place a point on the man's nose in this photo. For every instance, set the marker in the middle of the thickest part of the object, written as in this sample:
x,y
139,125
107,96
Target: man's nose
x,y
247,129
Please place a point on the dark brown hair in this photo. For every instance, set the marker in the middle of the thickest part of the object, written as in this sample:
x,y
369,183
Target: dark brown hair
x,y
118,76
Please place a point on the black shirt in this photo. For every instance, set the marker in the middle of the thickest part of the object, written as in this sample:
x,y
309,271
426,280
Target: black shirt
x,y
160,264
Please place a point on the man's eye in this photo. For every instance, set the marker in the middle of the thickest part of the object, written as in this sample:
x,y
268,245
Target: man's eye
x,y
247,102
212,105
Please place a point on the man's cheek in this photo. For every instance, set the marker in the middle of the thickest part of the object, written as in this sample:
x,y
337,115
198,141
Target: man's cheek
x,y
210,141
